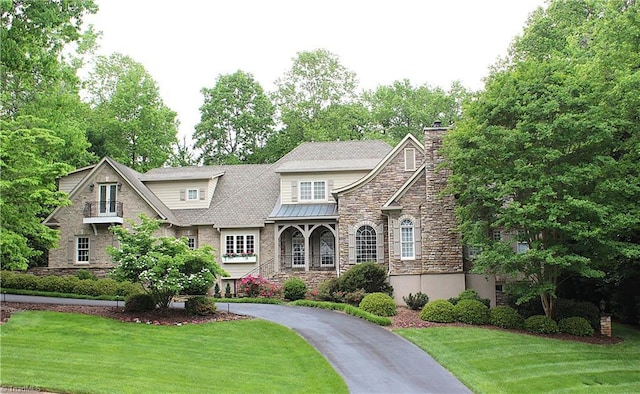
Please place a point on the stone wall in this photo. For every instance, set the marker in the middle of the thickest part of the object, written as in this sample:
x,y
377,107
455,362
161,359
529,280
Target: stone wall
x,y
441,243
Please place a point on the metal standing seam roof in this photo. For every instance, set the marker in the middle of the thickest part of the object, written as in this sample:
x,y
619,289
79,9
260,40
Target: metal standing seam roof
x,y
291,211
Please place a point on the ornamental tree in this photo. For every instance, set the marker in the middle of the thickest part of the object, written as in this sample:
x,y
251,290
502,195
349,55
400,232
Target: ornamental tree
x,y
164,266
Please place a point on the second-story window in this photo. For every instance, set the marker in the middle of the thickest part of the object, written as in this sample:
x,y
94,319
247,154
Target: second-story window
x,y
192,194
313,191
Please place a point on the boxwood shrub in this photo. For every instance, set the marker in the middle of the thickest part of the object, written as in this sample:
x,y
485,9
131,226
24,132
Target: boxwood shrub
x,y
200,305
439,311
541,324
295,289
506,317
571,308
576,325
380,304
471,312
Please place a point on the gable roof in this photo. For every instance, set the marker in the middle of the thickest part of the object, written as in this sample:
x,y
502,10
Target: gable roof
x,y
333,156
392,201
131,177
409,138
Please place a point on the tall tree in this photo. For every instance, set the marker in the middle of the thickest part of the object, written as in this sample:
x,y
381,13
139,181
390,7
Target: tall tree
x,y
236,120
539,156
29,167
130,121
316,81
400,108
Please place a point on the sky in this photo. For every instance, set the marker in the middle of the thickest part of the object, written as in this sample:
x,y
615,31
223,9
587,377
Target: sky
x,y
186,44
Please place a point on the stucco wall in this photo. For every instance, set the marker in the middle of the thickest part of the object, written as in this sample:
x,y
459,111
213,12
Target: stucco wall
x,y
436,286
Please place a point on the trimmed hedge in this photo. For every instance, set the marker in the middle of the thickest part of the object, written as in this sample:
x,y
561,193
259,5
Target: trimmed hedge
x,y
67,284
200,305
380,304
506,317
470,294
576,325
471,312
541,324
571,308
438,311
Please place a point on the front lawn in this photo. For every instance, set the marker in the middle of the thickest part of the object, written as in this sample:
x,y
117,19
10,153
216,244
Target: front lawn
x,y
80,353
496,361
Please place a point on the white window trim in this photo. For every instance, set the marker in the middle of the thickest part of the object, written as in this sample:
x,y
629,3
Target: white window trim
x,y
412,242
188,195
313,191
88,249
245,249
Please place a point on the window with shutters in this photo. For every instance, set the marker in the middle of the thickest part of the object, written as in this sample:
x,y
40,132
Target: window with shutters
x,y
366,244
192,194
313,191
407,239
82,250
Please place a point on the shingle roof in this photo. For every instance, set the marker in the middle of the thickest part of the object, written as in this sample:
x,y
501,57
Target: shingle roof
x,y
337,155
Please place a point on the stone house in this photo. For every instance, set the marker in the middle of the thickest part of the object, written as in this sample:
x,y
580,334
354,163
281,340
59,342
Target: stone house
x,y
313,214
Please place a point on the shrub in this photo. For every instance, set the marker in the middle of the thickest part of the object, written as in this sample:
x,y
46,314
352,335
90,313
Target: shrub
x,y
541,324
257,286
68,283
506,317
23,282
371,277
380,304
141,302
328,289
354,297
86,274
416,302
439,311
106,286
470,294
294,289
127,288
216,291
52,283
471,312
570,308
227,291
200,305
576,325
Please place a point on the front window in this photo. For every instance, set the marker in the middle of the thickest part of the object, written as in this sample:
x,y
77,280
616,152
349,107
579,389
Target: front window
x,y
82,249
313,191
407,239
366,245
326,249
297,244
191,242
240,245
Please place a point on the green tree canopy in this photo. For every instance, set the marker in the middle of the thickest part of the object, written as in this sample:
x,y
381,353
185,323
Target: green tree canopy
x,y
539,157
164,266
130,122
236,120
29,167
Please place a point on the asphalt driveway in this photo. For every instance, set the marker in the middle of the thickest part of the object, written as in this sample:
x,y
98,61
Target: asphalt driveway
x,y
370,358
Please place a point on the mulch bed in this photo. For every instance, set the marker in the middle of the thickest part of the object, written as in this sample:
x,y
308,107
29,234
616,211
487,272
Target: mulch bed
x,y
405,318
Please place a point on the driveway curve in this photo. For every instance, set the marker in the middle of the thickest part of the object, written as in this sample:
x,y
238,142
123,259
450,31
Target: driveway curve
x,y
371,359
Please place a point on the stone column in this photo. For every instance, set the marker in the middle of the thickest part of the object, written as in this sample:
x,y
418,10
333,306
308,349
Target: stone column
x,y
605,325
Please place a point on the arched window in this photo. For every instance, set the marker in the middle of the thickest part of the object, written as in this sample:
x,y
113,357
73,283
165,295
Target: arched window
x,y
327,251
366,246
407,239
297,244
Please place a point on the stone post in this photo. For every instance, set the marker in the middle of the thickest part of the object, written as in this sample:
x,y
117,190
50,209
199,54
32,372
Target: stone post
x,y
605,325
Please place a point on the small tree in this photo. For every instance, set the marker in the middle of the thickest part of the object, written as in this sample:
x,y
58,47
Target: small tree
x,y
164,266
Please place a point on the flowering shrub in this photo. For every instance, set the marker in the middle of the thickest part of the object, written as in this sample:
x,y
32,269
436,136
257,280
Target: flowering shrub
x,y
249,254
257,286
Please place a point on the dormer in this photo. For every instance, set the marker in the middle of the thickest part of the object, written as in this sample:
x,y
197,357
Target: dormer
x,y
182,189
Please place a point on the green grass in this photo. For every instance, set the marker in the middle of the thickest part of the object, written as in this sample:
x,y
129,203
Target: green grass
x,y
79,353
495,361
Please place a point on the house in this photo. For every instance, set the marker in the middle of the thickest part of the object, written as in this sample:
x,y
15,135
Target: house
x,y
313,214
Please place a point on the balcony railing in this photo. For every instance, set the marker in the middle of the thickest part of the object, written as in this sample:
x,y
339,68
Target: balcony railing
x,y
322,262
103,212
